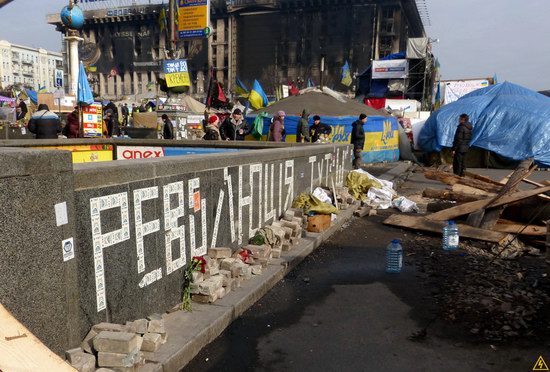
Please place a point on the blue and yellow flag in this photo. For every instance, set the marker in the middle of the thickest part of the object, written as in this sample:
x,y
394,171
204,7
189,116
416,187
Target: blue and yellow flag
x,y
257,96
42,89
346,75
241,89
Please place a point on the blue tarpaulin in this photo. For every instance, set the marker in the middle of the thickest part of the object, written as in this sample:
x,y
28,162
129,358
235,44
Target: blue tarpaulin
x,y
509,120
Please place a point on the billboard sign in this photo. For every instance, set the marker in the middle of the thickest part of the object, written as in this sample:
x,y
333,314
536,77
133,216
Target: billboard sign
x,y
391,69
176,73
193,18
92,120
58,78
456,89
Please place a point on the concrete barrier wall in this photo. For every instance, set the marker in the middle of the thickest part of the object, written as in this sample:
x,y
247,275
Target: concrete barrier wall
x,y
136,225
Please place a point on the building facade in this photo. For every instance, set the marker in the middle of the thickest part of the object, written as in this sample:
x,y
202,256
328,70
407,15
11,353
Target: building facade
x,y
29,67
273,41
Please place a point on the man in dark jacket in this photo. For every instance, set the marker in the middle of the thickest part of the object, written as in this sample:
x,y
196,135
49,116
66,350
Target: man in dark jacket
x,y
125,114
461,144
234,128
302,132
358,140
319,130
44,123
22,110
168,129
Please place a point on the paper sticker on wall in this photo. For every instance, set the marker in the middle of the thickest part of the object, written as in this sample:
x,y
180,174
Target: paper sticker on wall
x,y
68,249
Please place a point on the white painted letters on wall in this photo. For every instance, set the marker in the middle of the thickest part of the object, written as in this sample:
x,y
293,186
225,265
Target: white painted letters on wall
x,y
172,230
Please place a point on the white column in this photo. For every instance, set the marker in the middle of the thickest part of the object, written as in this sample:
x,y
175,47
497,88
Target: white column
x,y
73,63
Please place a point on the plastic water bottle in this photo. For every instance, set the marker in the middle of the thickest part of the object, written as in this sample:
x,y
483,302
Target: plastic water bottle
x,y
450,236
394,257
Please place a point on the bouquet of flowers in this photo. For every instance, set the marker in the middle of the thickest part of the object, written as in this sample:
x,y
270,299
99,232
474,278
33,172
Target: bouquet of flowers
x,y
197,264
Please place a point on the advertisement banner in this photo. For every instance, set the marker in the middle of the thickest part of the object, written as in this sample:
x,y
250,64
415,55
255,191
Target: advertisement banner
x,y
391,69
58,78
459,88
92,120
193,18
138,152
85,153
176,73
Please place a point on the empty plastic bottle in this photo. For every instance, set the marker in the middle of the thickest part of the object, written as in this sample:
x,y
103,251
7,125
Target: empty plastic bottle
x,y
451,237
394,257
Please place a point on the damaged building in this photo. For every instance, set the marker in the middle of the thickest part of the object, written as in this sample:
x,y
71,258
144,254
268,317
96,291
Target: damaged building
x,y
273,41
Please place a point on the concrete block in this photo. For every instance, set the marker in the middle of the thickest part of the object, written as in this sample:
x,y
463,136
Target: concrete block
x,y
286,246
104,370
156,326
288,215
149,367
210,271
194,288
276,253
259,251
81,361
151,342
263,262
236,283
87,344
219,252
256,269
204,299
197,277
246,272
298,212
217,280
112,327
227,281
140,325
117,360
207,287
225,273
228,263
116,342
220,293
212,265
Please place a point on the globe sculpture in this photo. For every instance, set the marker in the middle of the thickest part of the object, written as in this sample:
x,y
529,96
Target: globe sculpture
x,y
72,18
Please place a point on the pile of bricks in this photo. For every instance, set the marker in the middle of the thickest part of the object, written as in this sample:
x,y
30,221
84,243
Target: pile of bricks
x,y
344,198
226,270
119,348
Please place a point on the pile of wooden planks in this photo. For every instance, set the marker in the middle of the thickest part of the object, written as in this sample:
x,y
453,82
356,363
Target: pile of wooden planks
x,y
478,204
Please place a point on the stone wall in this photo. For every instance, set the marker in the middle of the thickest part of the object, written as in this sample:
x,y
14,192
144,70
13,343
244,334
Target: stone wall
x,y
135,226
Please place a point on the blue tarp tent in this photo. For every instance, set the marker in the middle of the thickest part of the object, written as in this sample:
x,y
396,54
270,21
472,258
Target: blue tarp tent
x,y
509,120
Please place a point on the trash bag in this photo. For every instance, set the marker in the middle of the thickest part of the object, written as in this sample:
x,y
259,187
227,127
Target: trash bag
x,y
310,203
264,236
405,205
322,195
258,126
359,184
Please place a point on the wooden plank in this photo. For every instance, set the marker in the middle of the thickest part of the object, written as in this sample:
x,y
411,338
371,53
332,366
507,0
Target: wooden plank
x,y
467,208
424,224
483,178
471,190
21,351
515,228
490,218
451,179
451,195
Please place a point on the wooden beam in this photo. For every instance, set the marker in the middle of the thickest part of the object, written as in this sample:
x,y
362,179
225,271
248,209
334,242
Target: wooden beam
x,y
451,195
483,178
489,218
467,208
451,179
515,228
424,224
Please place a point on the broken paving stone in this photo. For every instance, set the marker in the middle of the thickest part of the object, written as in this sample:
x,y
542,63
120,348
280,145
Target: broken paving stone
x,y
140,325
81,361
208,287
156,326
105,359
220,293
219,252
256,269
112,327
194,288
246,272
204,299
116,342
151,342
198,276
88,342
228,264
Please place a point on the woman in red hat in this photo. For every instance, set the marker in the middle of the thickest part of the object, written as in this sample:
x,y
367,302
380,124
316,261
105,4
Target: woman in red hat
x,y
212,129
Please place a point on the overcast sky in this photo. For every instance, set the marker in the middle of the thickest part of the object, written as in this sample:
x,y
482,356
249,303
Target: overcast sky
x,y
478,38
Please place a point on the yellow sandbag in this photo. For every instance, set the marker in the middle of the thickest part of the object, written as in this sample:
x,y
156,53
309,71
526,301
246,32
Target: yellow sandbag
x,y
310,203
359,184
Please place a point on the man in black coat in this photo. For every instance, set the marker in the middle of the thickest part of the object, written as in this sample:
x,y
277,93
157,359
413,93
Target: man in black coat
x,y
319,130
234,128
168,129
44,123
358,140
461,144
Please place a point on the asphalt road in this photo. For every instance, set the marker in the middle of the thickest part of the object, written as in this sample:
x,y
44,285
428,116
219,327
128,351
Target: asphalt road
x,y
339,311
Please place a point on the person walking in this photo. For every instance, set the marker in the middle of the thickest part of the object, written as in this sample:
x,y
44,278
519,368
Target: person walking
x,y
277,128
168,128
358,140
319,132
302,132
44,123
125,114
212,129
234,128
72,128
461,144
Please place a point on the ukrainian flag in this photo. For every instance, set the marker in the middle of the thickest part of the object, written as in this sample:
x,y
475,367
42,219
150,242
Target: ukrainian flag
x,y
346,75
241,89
257,96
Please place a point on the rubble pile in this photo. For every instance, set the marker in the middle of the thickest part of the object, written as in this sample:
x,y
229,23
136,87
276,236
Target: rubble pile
x,y
117,347
494,298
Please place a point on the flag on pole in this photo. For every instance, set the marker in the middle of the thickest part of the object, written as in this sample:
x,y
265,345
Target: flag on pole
x,y
162,19
495,79
437,104
257,97
346,75
241,89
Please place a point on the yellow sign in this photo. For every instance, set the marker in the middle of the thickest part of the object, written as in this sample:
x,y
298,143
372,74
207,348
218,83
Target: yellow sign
x,y
540,365
193,18
177,79
85,153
